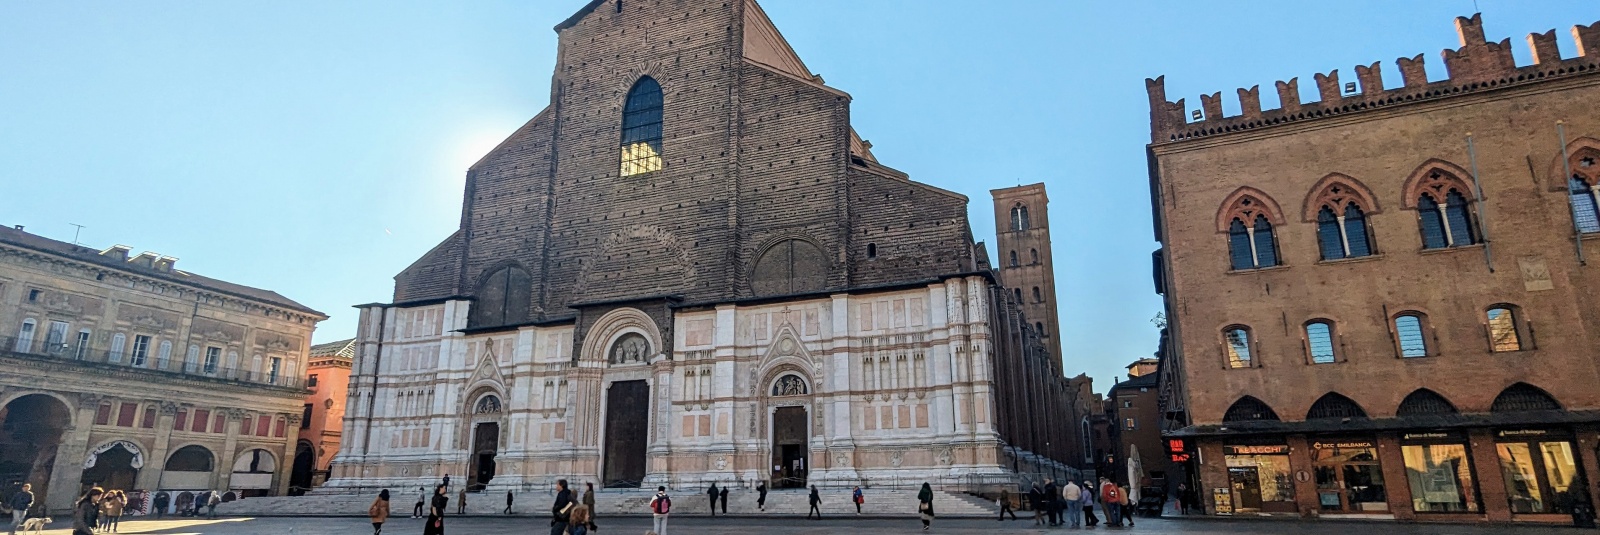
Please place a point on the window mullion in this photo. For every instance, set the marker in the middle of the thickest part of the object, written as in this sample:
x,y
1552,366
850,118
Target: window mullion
x,y
1344,238
1254,260
1444,223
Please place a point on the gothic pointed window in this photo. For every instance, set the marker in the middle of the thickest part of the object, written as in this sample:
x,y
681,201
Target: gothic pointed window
x,y
1585,213
1333,405
1356,236
1444,206
1239,250
641,128
1458,220
1265,244
1249,409
1330,235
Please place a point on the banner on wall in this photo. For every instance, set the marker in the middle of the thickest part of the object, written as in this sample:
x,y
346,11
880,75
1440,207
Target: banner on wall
x,y
1223,497
138,455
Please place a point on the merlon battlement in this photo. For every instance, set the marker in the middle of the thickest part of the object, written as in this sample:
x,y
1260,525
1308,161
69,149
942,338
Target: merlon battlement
x,y
1479,64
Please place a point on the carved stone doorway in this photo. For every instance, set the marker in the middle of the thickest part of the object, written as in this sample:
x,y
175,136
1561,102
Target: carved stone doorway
x,y
485,445
790,459
627,433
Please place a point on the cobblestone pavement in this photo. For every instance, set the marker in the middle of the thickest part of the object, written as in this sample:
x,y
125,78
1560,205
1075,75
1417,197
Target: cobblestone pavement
x,y
762,526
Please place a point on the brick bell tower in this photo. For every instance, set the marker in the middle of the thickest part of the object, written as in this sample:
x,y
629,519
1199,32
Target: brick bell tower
x,y
1022,234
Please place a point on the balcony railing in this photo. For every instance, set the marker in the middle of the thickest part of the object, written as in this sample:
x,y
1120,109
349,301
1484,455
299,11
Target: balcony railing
x,y
67,351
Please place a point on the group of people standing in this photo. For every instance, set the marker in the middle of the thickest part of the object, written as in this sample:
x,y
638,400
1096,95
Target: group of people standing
x,y
1057,506
569,516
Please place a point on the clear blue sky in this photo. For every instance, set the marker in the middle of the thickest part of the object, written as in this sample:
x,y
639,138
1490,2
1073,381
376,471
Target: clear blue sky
x,y
317,148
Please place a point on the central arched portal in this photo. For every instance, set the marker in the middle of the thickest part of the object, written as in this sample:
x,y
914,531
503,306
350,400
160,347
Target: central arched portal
x,y
113,466
305,462
789,455
485,443
627,422
30,431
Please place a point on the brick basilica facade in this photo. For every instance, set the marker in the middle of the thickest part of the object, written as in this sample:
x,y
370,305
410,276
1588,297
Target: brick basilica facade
x,y
689,267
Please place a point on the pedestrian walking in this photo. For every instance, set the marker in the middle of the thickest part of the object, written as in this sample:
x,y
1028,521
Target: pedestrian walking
x,y
212,499
86,512
925,505
711,493
20,503
660,507
816,500
1183,498
422,498
200,500
1052,494
857,497
1071,498
588,500
761,496
1036,502
722,496
1005,505
378,512
561,510
578,522
1110,498
434,525
1126,504
1089,519
461,501
160,504
509,499
447,482
111,508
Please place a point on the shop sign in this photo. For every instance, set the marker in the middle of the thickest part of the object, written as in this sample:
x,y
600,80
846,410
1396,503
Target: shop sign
x,y
1342,444
1520,433
1269,449
1431,435
1223,497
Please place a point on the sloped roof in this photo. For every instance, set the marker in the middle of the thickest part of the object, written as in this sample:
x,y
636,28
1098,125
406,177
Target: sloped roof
x,y
763,43
342,348
18,238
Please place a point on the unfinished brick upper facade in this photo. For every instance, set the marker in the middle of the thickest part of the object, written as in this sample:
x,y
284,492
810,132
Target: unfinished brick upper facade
x,y
737,290
1364,244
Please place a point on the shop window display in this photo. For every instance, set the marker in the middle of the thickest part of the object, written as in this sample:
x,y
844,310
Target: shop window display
x,y
1539,474
1349,477
1440,476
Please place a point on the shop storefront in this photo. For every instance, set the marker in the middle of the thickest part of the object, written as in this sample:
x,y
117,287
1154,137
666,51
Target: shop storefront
x,y
1541,470
1349,476
1439,472
1260,478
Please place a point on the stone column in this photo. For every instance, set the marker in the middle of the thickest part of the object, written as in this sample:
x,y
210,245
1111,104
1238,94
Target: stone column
x,y
286,467
155,463
230,447
66,475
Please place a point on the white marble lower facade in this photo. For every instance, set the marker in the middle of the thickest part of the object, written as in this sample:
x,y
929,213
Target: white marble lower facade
x,y
881,387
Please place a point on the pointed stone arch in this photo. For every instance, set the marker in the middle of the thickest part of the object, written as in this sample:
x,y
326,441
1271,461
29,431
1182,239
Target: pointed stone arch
x,y
1436,177
1246,203
1524,397
786,353
1337,190
1582,159
1335,405
1249,409
1425,402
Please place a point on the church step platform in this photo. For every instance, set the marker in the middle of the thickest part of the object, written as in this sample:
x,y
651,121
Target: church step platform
x,y
627,502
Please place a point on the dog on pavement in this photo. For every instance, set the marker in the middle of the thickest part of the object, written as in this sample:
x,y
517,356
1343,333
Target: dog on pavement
x,y
35,525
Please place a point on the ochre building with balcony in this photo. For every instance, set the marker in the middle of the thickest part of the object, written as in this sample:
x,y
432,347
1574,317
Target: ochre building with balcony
x,y
1383,304
126,372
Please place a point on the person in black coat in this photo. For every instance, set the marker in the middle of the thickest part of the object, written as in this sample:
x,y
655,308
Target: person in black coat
x,y
1051,494
761,495
722,496
434,525
161,502
561,510
816,500
711,493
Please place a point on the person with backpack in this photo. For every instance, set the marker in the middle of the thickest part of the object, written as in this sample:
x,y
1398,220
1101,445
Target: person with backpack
x,y
1112,498
857,497
660,507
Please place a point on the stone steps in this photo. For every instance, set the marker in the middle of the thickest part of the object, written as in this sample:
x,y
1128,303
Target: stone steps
x,y
878,502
